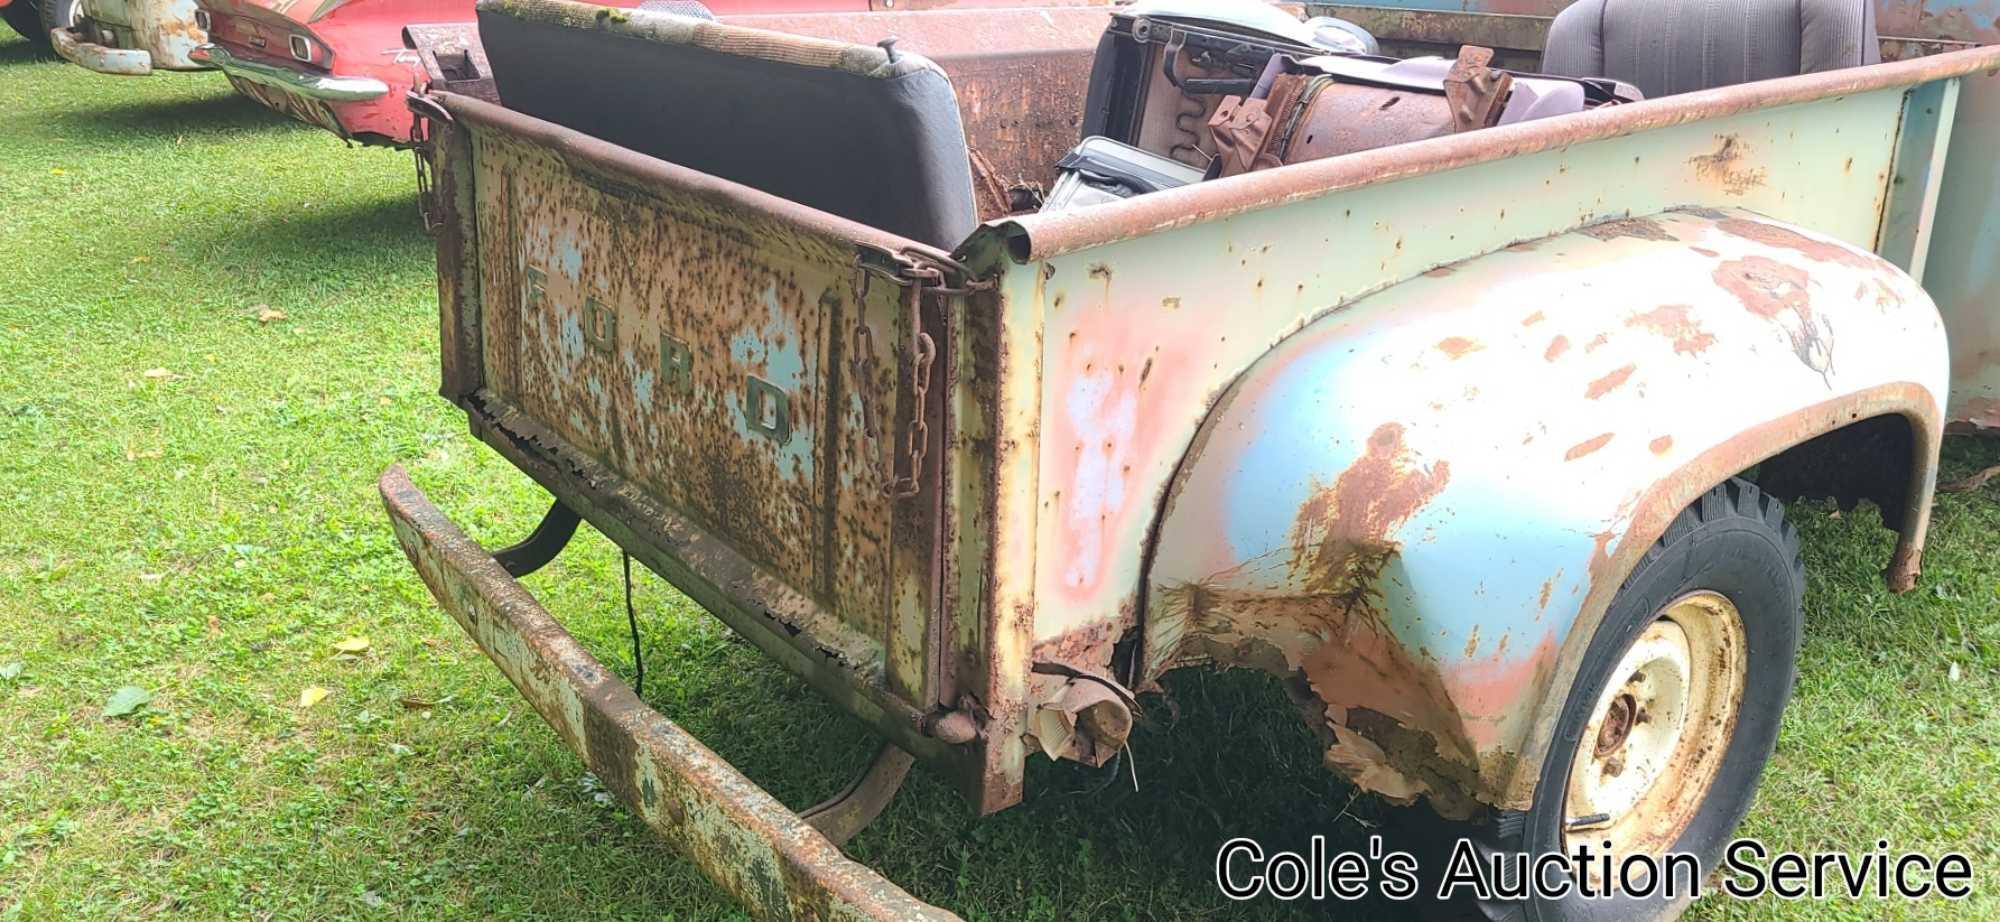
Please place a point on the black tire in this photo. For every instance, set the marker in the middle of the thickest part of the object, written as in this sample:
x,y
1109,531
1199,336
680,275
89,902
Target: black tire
x,y
56,14
1733,541
24,17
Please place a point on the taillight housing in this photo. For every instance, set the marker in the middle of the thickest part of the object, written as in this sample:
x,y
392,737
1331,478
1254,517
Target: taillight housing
x,y
308,50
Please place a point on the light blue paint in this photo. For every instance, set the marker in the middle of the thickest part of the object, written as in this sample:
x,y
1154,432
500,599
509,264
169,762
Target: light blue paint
x,y
569,255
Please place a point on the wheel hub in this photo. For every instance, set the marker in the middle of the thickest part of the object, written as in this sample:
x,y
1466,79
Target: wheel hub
x,y
1617,725
1657,735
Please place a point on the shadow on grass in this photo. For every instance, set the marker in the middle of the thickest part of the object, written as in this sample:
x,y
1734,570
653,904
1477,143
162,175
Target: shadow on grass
x,y
322,235
222,113
16,50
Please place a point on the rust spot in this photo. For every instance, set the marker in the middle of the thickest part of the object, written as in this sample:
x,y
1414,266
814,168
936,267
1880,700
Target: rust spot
x,y
1534,318
1458,347
1100,271
1472,642
1785,238
1661,445
1780,292
1548,588
1377,493
1587,446
1609,383
1674,322
1596,341
1600,555
1557,347
1382,708
1637,228
1724,168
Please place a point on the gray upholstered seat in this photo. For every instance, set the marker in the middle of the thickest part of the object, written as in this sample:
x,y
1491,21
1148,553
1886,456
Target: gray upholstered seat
x,y
1675,46
847,129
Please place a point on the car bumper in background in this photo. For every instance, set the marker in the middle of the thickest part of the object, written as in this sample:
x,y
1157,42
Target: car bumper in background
x,y
315,86
130,62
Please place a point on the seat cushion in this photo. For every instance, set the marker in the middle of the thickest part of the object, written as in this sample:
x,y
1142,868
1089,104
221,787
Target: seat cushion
x,y
1676,46
848,129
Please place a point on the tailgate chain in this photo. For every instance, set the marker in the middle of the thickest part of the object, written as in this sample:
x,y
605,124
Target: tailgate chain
x,y
915,279
423,146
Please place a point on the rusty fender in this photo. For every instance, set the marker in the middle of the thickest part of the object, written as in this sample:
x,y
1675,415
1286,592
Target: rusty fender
x,y
1417,508
741,837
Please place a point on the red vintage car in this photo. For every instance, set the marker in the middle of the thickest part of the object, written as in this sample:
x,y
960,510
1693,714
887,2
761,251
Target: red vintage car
x,y
345,65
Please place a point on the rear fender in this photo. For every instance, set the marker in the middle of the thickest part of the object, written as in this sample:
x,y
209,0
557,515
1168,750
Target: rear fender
x,y
1418,508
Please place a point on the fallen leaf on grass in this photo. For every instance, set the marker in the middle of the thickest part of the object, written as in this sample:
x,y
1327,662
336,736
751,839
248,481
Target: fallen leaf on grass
x,y
11,671
214,626
127,701
352,645
147,455
266,313
141,259
311,695
58,171
158,374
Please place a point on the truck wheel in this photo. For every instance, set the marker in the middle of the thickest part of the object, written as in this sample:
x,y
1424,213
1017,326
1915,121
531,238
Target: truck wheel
x,y
1675,709
23,17
56,14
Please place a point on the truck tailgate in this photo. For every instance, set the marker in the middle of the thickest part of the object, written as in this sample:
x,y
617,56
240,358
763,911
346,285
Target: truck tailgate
x,y
727,383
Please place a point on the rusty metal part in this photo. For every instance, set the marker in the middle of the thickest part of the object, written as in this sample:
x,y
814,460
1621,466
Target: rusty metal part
x,y
453,60
1475,92
740,452
776,864
841,817
1041,236
132,37
1431,677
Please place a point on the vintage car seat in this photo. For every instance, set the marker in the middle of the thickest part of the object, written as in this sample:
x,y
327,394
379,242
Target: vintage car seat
x,y
855,130
1676,46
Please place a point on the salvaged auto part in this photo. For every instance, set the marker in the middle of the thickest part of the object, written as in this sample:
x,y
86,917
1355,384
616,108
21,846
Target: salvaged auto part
x,y
1405,425
131,37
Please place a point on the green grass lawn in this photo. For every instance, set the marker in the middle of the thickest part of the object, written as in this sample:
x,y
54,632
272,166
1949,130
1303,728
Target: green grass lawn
x,y
187,505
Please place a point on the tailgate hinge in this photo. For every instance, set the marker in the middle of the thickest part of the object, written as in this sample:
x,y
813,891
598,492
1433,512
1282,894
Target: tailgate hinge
x,y
915,275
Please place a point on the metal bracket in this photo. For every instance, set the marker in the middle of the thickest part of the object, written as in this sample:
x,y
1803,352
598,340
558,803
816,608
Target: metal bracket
x,y
845,814
542,545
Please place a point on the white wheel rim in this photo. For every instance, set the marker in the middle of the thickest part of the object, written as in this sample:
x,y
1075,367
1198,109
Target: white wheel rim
x,y
1658,733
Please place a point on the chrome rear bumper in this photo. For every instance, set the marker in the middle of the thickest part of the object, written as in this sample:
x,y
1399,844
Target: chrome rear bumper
x,y
324,87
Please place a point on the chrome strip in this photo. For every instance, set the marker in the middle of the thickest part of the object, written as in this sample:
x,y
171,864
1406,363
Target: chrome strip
x,y
328,87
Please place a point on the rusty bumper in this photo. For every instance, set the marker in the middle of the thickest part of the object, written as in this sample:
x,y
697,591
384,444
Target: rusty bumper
x,y
127,62
742,838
